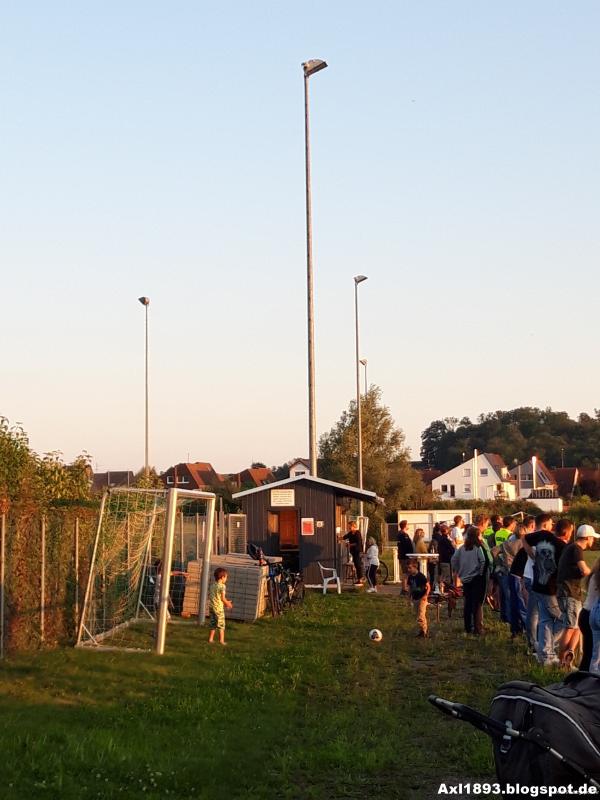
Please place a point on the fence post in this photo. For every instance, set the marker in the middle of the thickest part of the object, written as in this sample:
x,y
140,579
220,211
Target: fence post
x,y
2,577
197,536
43,578
76,569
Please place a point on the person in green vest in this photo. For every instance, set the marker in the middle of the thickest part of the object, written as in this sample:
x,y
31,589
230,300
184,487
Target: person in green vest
x,y
501,570
494,524
508,528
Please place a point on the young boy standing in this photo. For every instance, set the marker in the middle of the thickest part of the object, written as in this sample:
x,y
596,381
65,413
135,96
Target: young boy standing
x,y
217,603
418,589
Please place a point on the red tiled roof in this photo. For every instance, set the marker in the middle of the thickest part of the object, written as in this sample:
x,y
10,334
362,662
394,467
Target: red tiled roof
x,y
566,480
256,475
429,475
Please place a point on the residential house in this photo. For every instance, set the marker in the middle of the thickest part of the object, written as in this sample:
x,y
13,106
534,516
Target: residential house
x,y
533,475
199,475
253,476
487,478
567,479
110,480
589,482
427,473
300,466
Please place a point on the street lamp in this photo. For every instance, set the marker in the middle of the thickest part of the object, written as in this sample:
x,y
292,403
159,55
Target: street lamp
x,y
310,68
358,279
145,301
363,361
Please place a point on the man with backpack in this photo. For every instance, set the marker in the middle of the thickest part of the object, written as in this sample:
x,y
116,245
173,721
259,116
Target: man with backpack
x,y
546,549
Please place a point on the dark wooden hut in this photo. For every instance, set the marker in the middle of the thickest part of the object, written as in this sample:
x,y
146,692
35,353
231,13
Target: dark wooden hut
x,y
300,519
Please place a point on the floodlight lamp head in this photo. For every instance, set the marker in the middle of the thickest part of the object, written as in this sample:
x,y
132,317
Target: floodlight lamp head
x,y
360,278
312,66
145,301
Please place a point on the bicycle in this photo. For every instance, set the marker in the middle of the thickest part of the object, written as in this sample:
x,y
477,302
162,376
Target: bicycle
x,y
291,588
383,572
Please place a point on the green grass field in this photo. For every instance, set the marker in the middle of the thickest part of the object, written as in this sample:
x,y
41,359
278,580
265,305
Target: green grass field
x,y
304,706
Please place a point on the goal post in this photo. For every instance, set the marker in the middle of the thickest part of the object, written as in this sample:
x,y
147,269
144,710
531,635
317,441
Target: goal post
x,y
163,612
141,571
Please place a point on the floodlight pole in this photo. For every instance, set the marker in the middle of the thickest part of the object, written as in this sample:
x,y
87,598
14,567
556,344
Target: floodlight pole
x,y
145,301
309,68
358,279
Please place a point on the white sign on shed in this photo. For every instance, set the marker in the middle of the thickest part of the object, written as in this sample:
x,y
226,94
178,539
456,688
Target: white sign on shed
x,y
283,497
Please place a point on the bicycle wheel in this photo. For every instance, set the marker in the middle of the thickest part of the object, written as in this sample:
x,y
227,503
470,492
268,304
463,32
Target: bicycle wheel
x,y
273,598
382,572
284,595
298,593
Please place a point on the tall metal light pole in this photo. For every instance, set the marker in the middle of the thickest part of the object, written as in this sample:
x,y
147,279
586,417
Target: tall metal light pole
x,y
145,301
363,361
309,68
358,279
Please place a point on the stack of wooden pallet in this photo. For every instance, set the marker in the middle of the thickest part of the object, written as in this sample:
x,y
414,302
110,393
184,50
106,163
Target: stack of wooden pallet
x,y
246,586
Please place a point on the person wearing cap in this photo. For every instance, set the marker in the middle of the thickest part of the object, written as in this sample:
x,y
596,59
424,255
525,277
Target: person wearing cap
x,y
546,548
572,568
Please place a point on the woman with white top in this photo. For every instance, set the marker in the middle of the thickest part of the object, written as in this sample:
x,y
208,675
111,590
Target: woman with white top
x,y
372,557
592,597
457,532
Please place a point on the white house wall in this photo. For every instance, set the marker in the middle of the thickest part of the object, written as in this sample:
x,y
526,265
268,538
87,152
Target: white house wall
x,y
463,483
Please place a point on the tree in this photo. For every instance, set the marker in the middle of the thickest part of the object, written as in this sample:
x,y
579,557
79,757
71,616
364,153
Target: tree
x,y
27,479
150,481
386,466
258,465
17,463
516,435
59,481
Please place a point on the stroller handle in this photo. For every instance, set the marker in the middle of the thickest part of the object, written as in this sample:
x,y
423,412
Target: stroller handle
x,y
494,728
460,711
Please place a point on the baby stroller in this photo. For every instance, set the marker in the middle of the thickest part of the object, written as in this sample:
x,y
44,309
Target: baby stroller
x,y
542,736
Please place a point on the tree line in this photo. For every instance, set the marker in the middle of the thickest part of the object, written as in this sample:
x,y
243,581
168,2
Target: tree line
x,y
516,435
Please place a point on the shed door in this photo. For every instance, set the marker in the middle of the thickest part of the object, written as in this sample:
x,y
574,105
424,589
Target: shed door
x,y
288,529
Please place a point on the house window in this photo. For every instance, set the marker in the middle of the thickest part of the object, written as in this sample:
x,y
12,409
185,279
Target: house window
x,y
467,488
183,479
169,479
466,472
483,472
444,487
299,472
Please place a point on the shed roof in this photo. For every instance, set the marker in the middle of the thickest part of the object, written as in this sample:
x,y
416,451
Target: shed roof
x,y
340,489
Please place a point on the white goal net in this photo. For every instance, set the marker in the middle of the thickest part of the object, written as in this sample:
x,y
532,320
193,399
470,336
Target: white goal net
x,y
127,602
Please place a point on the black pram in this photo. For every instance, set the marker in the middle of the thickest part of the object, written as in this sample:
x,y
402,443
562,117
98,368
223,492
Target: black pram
x,y
542,736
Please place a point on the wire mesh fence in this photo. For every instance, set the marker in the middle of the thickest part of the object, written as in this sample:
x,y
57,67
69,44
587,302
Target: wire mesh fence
x,y
44,567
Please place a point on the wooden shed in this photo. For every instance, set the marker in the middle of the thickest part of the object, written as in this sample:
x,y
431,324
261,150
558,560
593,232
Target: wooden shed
x,y
299,519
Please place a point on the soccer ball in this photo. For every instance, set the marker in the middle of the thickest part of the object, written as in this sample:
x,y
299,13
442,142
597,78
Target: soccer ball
x,y
375,635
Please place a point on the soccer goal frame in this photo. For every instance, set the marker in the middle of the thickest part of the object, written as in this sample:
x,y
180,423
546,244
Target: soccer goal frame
x,y
169,510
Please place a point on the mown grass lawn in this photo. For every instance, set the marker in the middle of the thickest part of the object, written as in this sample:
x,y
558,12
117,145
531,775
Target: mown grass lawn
x,y
304,706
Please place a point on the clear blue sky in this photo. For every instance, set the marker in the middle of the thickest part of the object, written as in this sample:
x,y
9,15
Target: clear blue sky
x,y
157,149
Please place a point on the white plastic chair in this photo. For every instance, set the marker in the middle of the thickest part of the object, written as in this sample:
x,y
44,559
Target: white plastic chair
x,y
333,578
